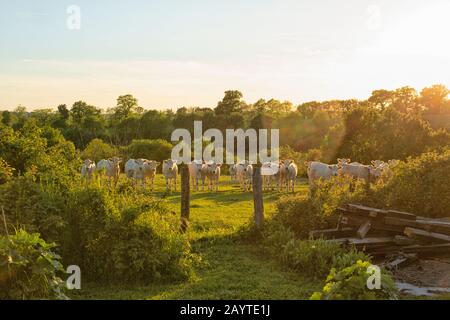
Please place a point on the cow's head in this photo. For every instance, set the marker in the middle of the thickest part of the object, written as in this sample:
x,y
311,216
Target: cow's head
x,y
287,163
334,168
151,164
115,161
88,162
213,167
343,161
377,163
170,163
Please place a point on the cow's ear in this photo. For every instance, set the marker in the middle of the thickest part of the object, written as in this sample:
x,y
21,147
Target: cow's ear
x,y
219,165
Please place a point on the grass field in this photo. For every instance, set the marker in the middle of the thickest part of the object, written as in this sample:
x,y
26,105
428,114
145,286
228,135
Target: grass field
x,y
230,269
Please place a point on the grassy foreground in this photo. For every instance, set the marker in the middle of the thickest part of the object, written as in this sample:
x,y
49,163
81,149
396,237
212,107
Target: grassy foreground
x,y
229,269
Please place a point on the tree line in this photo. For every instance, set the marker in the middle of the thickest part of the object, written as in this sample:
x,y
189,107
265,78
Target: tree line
x,y
389,124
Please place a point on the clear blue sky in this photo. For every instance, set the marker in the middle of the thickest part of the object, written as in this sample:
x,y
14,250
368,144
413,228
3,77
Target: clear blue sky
x,y
184,53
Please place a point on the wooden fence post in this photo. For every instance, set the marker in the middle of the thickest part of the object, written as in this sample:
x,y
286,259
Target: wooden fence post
x,y
185,197
258,204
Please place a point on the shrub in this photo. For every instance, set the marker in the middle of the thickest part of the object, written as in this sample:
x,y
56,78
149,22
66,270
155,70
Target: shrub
x,y
158,150
97,150
419,186
29,268
303,213
350,283
124,238
30,206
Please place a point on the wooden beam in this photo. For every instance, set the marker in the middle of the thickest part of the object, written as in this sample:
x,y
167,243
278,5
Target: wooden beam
x,y
258,204
185,197
412,232
332,233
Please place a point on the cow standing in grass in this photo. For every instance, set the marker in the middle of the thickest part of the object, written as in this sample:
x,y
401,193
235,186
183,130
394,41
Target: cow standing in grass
x,y
197,172
291,174
213,175
320,171
232,170
170,172
111,168
270,172
88,169
244,174
142,169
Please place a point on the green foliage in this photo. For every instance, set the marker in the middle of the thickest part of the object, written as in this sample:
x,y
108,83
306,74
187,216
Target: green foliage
x,y
6,171
158,150
97,150
317,210
29,268
419,185
33,207
124,238
350,283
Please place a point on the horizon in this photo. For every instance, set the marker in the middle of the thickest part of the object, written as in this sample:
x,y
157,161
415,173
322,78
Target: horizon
x,y
173,54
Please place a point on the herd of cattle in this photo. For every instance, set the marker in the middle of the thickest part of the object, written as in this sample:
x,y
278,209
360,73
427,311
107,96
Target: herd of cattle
x,y
276,175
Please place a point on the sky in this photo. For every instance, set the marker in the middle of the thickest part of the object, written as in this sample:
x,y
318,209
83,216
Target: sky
x,y
176,53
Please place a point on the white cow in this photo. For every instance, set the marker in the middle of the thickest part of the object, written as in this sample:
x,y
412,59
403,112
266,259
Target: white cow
x,y
142,169
382,170
232,170
197,172
318,170
357,171
213,175
291,174
270,172
111,168
170,172
88,169
244,174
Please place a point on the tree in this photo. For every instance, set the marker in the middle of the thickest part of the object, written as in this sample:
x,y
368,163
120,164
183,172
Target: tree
x,y
435,98
97,150
231,102
126,105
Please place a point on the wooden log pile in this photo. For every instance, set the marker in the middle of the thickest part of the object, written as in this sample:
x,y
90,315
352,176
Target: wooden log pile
x,y
388,232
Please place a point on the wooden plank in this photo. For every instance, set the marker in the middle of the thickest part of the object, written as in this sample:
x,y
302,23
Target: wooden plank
x,y
420,249
365,241
332,233
401,215
356,222
412,232
403,241
364,229
428,225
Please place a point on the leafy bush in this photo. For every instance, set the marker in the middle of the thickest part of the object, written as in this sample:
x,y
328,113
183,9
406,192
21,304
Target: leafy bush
x,y
350,283
31,206
419,185
124,237
301,213
29,268
313,258
158,150
97,150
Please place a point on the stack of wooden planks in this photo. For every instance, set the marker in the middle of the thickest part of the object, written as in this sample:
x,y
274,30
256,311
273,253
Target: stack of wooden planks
x,y
386,232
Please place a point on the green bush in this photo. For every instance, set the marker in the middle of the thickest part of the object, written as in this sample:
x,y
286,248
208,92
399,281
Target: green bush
x,y
350,283
420,185
304,213
124,238
31,206
97,150
29,268
157,150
